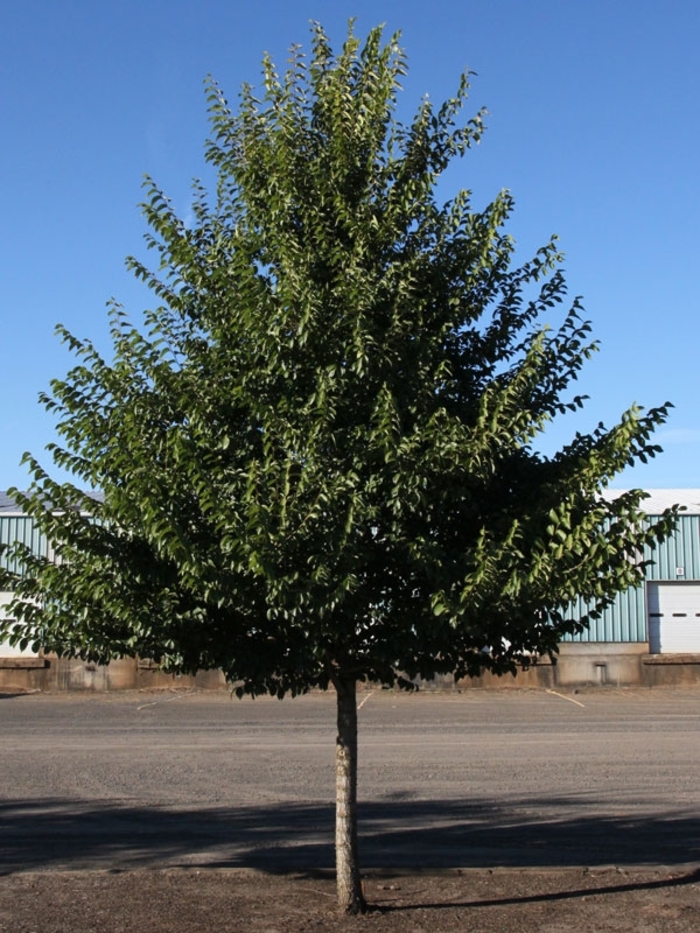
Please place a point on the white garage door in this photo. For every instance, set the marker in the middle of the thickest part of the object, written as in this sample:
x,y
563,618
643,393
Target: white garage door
x,y
6,650
674,618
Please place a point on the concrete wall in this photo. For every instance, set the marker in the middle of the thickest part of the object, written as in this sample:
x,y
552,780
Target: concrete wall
x,y
49,673
612,664
670,670
600,663
624,665
578,665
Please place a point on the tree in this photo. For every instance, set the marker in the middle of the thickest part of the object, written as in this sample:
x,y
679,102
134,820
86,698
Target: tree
x,y
318,454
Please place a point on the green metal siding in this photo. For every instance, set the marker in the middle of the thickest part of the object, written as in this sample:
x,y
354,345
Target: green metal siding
x,y
625,620
19,528
680,551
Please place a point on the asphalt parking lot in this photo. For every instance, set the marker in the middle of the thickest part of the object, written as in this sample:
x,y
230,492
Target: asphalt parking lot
x,y
511,778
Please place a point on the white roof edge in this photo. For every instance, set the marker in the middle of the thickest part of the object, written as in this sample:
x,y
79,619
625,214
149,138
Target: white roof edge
x,y
656,502
660,499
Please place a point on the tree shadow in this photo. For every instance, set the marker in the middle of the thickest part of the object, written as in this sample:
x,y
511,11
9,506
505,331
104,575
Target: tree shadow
x,y
691,877
40,834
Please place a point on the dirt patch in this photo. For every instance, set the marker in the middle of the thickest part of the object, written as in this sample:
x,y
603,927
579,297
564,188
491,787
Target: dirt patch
x,y
226,900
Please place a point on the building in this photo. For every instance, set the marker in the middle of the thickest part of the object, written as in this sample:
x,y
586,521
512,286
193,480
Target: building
x,y
649,635
29,670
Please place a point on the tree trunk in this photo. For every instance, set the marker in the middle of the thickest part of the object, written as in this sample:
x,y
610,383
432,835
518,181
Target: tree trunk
x,y
350,897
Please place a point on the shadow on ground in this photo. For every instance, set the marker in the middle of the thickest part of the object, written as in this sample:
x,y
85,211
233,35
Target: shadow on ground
x,y
55,833
691,877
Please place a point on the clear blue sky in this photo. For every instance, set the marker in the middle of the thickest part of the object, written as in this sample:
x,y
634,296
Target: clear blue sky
x,y
593,126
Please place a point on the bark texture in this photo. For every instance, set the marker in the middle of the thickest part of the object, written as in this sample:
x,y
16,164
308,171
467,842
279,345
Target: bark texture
x,y
350,897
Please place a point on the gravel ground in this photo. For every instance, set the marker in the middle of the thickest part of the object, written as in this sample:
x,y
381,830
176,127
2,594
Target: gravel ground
x,y
509,810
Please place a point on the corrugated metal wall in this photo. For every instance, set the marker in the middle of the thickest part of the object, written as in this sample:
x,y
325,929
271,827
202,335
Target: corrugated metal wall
x,y
625,619
682,552
19,528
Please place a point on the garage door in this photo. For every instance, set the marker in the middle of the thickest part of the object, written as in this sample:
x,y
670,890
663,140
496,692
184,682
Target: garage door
x,y
674,617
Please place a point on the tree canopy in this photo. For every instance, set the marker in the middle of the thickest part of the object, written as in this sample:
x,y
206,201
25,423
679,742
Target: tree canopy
x,y
318,455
